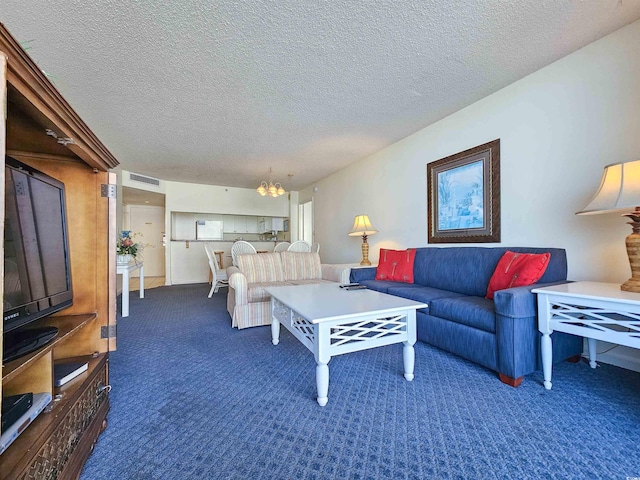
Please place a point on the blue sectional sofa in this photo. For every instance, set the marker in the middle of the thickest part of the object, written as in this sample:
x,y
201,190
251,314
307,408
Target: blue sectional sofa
x,y
500,334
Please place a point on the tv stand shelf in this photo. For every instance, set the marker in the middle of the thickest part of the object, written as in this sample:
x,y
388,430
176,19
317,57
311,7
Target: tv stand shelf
x,y
57,443
80,401
67,326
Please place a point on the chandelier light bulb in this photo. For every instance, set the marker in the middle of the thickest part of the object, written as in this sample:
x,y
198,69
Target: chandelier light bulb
x,y
273,189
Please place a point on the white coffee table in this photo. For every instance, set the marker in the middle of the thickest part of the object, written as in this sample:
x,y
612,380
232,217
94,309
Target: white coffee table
x,y
331,321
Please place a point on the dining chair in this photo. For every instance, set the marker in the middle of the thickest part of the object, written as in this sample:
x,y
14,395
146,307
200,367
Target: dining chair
x,y
218,277
240,247
281,247
300,246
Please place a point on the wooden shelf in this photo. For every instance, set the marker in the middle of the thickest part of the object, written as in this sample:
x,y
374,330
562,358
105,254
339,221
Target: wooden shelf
x,y
67,325
66,391
18,455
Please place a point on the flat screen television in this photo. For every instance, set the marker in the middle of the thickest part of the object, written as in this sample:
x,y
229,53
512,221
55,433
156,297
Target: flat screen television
x,y
37,270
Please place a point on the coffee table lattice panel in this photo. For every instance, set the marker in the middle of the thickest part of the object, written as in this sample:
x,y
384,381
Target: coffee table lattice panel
x,y
305,328
366,330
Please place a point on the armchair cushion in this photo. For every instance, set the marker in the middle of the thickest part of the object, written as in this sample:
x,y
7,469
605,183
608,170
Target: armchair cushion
x,y
301,266
261,267
256,291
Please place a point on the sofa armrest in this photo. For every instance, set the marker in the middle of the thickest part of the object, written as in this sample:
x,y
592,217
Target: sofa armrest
x,y
335,272
519,302
360,274
238,282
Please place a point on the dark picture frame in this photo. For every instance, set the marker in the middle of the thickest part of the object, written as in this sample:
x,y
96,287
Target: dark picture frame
x,y
463,195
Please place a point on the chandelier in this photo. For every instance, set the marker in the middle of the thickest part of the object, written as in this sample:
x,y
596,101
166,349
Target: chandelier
x,y
273,189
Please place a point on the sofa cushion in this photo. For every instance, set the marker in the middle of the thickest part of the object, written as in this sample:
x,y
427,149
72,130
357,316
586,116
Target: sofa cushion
x,y
420,293
301,266
379,285
517,270
261,267
468,269
476,312
396,265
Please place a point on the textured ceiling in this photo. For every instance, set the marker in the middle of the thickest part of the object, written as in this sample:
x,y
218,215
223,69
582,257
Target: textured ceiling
x,y
218,91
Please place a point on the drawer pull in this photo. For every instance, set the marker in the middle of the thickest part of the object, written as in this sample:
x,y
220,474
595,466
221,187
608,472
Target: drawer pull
x,y
102,388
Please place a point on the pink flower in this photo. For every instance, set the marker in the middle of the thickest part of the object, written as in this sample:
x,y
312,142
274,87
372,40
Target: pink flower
x,y
127,242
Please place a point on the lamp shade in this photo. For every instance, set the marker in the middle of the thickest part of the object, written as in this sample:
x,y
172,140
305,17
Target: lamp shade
x,y
362,226
619,189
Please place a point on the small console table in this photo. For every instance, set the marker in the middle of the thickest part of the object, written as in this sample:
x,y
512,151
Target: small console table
x,y
125,271
596,311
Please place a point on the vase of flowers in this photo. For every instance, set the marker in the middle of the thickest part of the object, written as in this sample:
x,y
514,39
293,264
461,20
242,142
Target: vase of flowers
x,y
123,259
126,248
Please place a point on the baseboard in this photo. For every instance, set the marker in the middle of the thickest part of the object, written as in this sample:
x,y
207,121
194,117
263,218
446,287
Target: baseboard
x,y
624,357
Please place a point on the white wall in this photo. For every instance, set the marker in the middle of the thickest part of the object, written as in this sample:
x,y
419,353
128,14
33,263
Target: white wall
x,y
558,128
192,197
189,263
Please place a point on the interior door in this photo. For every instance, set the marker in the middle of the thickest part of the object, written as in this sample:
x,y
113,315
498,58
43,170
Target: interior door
x,y
148,222
305,225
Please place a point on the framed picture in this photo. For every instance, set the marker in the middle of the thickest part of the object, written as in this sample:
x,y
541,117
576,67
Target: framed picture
x,y
463,194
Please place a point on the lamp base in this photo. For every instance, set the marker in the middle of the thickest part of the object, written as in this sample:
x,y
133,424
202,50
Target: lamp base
x,y
365,254
631,285
633,252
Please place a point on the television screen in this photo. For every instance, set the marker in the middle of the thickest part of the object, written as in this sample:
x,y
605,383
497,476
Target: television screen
x,y
37,275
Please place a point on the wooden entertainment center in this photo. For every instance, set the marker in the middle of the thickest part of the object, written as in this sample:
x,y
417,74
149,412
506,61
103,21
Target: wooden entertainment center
x,y
41,129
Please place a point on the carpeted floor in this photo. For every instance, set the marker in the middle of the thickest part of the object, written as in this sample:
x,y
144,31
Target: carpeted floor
x,y
193,398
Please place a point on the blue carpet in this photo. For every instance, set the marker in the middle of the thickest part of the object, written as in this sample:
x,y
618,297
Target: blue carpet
x,y
193,398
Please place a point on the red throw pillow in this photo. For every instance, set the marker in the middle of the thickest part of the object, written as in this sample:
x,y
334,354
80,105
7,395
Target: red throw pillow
x,y
396,265
517,270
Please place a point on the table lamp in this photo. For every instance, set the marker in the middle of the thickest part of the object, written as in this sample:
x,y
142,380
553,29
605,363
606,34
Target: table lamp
x,y
362,226
619,191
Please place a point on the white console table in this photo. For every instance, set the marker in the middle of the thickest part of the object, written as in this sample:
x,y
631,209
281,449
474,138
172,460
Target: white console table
x,y
596,311
125,271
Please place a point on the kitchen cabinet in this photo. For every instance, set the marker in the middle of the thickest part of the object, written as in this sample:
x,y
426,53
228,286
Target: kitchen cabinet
x,y
252,224
269,224
240,224
228,223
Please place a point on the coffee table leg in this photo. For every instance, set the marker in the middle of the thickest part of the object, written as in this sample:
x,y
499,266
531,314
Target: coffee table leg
x,y
322,383
275,331
409,358
592,343
547,358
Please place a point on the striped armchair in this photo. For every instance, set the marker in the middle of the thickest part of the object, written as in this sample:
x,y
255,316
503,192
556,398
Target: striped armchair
x,y
248,303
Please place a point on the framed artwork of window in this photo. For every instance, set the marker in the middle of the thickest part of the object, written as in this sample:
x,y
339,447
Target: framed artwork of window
x,y
463,195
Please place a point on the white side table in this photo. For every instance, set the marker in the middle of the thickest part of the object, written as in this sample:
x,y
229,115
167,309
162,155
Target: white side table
x,y
596,311
125,271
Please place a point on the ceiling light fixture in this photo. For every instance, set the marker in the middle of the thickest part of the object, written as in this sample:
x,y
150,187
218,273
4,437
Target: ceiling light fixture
x,y
273,189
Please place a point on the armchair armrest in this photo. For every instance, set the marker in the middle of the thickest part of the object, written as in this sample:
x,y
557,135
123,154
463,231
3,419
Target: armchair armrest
x,y
336,272
231,270
519,302
238,282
